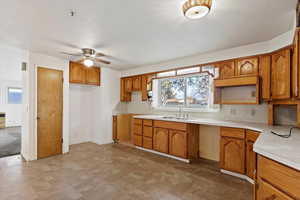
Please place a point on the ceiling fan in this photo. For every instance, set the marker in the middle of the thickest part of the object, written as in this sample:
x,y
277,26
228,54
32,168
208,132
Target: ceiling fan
x,y
90,56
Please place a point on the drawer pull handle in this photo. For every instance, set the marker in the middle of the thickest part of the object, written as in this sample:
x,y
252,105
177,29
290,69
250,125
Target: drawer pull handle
x,y
272,197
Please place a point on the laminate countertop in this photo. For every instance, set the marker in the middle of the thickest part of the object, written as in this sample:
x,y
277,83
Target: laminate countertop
x,y
282,150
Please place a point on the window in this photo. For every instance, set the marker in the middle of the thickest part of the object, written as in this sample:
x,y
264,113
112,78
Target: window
x,y
14,95
192,92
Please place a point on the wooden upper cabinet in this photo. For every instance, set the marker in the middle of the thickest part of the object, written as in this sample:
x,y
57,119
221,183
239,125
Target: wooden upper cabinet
x,y
281,75
247,67
178,143
227,69
124,96
128,84
144,83
265,74
136,83
161,140
232,154
93,76
77,73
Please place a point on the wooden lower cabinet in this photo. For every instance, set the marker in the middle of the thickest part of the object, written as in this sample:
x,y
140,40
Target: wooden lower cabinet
x,y
276,181
232,156
147,143
161,140
178,143
268,192
251,156
138,140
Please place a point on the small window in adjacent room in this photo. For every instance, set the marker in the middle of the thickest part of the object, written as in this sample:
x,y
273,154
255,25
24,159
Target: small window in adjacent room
x,y
14,95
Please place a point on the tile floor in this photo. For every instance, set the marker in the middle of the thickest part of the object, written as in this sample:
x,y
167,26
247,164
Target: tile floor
x,y
117,172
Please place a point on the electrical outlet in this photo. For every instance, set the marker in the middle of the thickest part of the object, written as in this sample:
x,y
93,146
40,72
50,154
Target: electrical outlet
x,y
253,112
233,111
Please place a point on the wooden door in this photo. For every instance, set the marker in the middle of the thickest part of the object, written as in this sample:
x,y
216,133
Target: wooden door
x,y
161,140
232,156
49,112
247,66
115,128
265,74
136,83
178,143
77,73
268,192
93,76
281,77
227,69
128,85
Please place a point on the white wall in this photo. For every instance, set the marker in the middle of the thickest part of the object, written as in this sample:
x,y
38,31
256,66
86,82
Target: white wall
x,y
104,100
11,76
29,148
80,113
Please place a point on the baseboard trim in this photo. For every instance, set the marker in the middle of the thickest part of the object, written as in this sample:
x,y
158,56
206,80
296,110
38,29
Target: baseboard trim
x,y
163,154
241,176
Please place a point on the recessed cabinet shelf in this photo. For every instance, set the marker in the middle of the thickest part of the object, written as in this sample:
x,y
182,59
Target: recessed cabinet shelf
x,y
245,90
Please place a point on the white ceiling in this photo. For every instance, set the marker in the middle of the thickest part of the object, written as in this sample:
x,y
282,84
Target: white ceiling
x,y
139,32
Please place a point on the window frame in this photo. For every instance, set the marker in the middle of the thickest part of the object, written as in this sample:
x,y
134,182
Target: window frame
x,y
211,107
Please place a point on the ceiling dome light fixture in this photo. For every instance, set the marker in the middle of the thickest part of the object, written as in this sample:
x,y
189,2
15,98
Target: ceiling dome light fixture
x,y
196,9
88,62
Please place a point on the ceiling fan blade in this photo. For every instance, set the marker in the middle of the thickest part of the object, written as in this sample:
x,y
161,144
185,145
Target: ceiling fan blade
x,y
100,55
102,61
71,54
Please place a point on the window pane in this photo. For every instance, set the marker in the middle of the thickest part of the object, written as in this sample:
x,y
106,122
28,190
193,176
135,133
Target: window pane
x,y
172,91
188,70
14,96
166,74
198,90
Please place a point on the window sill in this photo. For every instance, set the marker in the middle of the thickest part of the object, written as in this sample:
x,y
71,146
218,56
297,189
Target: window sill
x,y
176,109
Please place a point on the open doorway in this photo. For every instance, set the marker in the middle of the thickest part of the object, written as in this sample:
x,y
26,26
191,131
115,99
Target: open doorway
x,y
10,114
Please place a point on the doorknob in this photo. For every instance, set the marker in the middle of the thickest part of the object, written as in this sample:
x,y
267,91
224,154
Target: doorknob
x,y
38,118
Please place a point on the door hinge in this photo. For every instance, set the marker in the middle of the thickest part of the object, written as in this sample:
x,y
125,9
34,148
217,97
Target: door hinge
x,y
62,140
63,80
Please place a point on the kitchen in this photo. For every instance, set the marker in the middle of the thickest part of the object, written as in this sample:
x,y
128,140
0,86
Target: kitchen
x,y
181,99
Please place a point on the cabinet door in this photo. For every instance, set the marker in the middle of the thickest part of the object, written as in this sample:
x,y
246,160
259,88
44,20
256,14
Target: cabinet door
x,y
250,160
227,69
136,83
144,88
232,156
178,143
124,96
247,66
281,77
161,140
268,192
147,143
77,73
265,74
138,140
93,76
128,85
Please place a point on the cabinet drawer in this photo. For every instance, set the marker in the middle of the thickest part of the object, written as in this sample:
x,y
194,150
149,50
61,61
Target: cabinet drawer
x,y
138,121
147,143
170,125
233,132
138,140
280,176
267,191
137,129
147,122
251,135
148,131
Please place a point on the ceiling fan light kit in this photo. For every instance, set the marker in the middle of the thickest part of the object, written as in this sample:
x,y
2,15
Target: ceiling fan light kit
x,y
196,9
88,62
